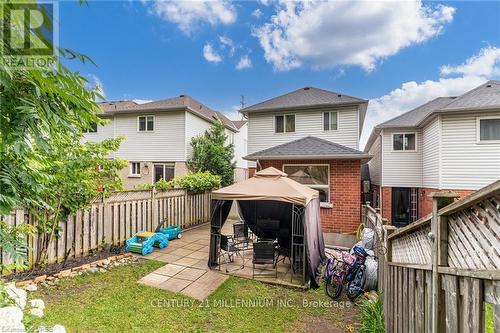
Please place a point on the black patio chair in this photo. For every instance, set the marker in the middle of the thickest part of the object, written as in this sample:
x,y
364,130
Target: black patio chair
x,y
227,248
240,237
264,253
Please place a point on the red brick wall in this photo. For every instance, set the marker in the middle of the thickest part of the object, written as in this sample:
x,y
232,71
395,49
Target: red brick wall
x,y
251,172
425,203
345,193
387,203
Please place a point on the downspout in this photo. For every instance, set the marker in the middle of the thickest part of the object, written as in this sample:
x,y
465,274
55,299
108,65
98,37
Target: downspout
x,y
381,173
259,167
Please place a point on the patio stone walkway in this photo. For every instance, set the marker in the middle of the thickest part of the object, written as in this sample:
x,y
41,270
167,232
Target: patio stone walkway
x,y
186,270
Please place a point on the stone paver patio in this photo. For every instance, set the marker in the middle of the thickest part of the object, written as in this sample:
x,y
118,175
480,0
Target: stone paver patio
x,y
186,270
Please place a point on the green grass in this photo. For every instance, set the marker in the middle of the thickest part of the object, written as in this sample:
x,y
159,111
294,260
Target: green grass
x,y
372,316
115,302
489,323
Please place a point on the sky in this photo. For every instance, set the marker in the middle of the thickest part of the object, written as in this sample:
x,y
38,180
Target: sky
x,y
397,54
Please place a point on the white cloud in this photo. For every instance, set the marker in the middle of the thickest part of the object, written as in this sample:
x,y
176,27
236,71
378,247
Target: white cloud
x,y
189,15
245,62
142,101
324,34
473,72
210,54
484,64
257,13
228,43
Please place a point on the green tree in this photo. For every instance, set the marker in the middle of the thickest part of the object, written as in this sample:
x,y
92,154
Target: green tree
x,y
42,119
212,154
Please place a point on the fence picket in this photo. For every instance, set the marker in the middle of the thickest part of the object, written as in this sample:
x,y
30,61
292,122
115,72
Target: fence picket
x,y
112,220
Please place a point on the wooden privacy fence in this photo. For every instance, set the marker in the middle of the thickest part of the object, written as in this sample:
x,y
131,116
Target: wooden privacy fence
x,y
440,271
114,219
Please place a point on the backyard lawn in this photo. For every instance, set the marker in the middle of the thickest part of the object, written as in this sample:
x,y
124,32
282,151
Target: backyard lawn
x,y
115,302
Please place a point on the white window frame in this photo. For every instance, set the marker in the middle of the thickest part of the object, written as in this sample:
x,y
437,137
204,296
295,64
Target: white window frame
x,y
329,117
404,150
326,204
131,170
146,116
478,130
169,164
284,123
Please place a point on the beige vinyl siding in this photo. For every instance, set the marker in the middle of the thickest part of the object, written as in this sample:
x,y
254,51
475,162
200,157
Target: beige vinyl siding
x,y
165,143
465,163
430,155
402,168
240,149
195,126
375,164
261,128
103,132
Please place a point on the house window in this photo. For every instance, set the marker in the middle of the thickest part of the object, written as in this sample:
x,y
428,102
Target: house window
x,y
489,129
285,123
163,171
135,168
404,142
91,129
231,138
314,176
145,123
330,121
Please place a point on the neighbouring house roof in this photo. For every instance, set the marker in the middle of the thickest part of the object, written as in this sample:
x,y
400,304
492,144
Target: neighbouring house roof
x,y
417,115
239,123
308,148
485,97
182,102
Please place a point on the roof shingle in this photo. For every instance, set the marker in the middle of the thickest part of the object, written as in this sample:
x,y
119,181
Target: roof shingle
x,y
182,102
304,97
308,148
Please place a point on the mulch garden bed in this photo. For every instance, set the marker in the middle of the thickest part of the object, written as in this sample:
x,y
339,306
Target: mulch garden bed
x,y
68,264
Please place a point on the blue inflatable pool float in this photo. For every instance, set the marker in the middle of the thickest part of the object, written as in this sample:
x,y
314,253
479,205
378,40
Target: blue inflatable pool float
x,y
172,232
144,242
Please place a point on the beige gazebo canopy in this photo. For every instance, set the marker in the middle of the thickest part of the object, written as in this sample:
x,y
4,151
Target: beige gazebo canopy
x,y
268,184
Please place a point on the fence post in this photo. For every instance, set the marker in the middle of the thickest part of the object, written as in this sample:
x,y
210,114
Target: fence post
x,y
154,209
387,230
187,209
439,238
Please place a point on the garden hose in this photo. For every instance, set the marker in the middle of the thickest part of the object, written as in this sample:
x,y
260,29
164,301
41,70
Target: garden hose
x,y
359,231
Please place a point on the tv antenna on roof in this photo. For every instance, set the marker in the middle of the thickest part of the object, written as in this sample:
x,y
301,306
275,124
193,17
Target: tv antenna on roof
x,y
242,101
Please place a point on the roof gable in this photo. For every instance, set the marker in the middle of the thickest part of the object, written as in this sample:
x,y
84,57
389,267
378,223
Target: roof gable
x,y
306,97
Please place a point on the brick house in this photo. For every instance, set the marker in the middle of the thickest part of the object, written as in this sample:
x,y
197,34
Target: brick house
x,y
313,135
446,144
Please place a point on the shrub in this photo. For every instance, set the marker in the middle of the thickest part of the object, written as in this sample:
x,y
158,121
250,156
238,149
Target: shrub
x,y
193,182
372,316
197,182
